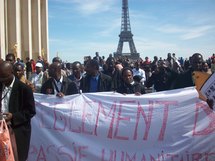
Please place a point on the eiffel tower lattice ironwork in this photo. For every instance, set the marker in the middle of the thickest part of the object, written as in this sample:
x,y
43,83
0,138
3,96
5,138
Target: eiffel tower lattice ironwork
x,y
126,35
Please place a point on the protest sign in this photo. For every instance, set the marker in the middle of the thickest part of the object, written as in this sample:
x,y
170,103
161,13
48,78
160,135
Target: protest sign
x,y
164,126
208,89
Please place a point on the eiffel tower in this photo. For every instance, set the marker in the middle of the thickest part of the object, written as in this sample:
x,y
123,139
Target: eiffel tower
x,y
126,35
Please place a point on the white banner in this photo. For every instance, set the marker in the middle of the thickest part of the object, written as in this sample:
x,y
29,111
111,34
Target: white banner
x,y
165,126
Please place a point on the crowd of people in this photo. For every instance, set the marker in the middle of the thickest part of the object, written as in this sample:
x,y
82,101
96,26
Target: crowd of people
x,y
19,79
113,74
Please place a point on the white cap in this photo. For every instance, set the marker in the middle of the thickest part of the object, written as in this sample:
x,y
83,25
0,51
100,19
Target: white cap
x,y
40,65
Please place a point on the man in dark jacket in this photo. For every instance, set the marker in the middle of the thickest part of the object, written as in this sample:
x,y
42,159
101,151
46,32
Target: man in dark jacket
x,y
18,106
77,74
186,79
114,73
128,85
58,84
161,78
95,81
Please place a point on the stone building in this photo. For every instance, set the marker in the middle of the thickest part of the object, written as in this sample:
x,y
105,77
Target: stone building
x,y
24,28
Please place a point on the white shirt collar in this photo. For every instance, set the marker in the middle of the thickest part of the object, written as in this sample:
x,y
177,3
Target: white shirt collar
x,y
132,83
6,94
11,85
58,85
61,80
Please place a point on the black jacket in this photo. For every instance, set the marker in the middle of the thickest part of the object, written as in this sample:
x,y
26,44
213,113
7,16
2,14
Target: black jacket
x,y
162,80
68,87
104,83
131,88
184,80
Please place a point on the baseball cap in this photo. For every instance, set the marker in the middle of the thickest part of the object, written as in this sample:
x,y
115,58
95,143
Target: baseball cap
x,y
39,65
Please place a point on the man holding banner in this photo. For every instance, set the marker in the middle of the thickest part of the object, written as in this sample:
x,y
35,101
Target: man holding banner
x,y
57,83
186,79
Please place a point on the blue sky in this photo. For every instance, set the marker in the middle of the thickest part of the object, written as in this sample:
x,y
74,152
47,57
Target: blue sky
x,y
79,28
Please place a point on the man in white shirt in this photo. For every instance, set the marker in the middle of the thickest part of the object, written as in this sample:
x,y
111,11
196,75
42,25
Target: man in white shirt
x,y
138,71
38,78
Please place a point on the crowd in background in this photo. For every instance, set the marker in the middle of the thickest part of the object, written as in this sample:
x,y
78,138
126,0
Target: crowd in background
x,y
112,74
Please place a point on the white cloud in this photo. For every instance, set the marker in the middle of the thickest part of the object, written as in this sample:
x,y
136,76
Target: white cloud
x,y
171,29
189,32
110,27
197,32
88,7
146,45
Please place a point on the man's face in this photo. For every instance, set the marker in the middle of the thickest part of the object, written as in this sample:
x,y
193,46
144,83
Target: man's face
x,y
10,59
55,70
39,58
5,77
110,65
196,62
137,65
52,72
127,76
169,55
76,69
205,67
18,71
38,70
91,70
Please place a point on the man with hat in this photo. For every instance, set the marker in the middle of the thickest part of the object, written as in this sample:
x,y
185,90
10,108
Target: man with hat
x,y
38,78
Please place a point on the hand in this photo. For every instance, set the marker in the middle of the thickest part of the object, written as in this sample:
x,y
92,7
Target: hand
x,y
60,94
137,93
8,116
48,91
